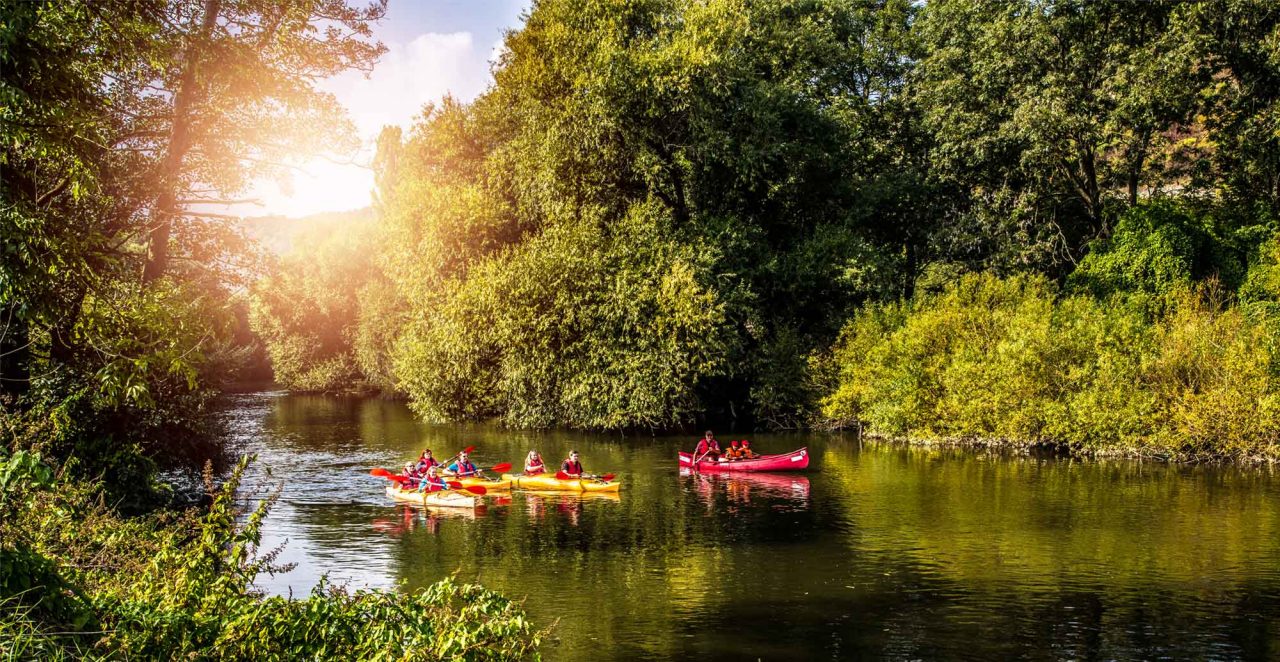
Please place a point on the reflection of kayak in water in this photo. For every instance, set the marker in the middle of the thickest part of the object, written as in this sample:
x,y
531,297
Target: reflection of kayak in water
x,y
557,495
793,461
444,499
782,485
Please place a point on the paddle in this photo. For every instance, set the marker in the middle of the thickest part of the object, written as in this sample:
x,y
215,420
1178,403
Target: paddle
x,y
474,489
383,473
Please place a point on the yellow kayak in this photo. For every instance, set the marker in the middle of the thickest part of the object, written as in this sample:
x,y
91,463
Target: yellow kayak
x,y
444,498
550,483
488,484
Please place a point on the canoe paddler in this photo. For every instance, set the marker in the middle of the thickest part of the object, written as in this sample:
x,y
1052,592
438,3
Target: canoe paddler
x,y
571,465
708,448
734,453
463,467
533,464
746,451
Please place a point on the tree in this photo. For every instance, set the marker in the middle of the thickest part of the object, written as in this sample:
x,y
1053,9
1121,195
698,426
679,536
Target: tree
x,y
121,120
1046,111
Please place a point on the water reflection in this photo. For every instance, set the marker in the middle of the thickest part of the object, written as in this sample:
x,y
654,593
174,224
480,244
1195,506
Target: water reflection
x,y
780,491
877,551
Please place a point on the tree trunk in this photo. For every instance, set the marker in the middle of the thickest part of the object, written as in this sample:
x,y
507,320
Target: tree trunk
x,y
166,208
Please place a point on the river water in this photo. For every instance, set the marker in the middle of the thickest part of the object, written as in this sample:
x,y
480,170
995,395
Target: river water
x,y
876,551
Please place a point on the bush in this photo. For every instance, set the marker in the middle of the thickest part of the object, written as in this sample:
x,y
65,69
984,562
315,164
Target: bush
x,y
79,581
1014,361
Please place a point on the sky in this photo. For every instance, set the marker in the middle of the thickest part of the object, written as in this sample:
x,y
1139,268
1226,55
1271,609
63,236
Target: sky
x,y
434,48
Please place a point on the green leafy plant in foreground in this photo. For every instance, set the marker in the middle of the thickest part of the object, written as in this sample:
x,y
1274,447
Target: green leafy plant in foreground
x,y
79,582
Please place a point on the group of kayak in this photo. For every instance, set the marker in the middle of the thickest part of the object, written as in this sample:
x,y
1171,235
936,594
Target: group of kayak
x,y
457,481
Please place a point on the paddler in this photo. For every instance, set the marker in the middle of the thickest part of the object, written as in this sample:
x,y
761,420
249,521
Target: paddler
x,y
533,464
571,465
708,448
734,453
426,461
410,475
747,453
432,482
463,467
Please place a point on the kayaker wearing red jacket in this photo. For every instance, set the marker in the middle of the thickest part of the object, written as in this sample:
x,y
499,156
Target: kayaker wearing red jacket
x,y
432,482
572,466
463,467
708,448
426,461
533,464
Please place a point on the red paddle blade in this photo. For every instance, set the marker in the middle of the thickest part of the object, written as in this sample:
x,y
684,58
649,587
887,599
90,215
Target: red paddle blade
x,y
468,449
607,477
563,476
500,468
475,489
383,473
455,485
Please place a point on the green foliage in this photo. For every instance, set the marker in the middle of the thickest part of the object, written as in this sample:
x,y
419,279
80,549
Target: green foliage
x,y
1160,248
81,582
1012,360
580,326
306,311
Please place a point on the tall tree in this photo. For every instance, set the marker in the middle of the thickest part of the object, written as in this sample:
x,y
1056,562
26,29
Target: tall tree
x,y
1049,110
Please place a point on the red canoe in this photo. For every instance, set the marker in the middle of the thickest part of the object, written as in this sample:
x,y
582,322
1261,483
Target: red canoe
x,y
793,461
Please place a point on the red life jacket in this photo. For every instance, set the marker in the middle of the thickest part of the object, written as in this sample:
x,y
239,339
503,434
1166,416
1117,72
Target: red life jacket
x,y
531,469
571,467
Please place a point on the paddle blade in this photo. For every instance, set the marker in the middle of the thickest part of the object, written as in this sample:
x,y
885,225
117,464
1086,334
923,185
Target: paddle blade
x,y
468,449
383,473
476,489
563,476
500,468
455,485
607,477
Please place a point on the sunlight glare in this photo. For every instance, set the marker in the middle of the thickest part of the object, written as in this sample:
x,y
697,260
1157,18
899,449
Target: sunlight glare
x,y
319,186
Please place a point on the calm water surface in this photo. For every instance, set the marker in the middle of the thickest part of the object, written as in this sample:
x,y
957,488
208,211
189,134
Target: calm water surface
x,y
876,552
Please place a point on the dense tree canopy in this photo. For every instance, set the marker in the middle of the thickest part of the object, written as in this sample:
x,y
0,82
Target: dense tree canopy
x,y
665,211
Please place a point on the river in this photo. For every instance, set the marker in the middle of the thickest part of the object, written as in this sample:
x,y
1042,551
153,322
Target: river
x,y
876,551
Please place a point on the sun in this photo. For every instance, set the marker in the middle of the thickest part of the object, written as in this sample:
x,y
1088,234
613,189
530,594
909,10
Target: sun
x,y
318,186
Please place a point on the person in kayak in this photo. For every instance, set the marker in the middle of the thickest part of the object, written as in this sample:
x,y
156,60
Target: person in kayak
x,y
426,461
463,467
533,464
411,476
571,465
733,453
746,452
432,481
708,449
